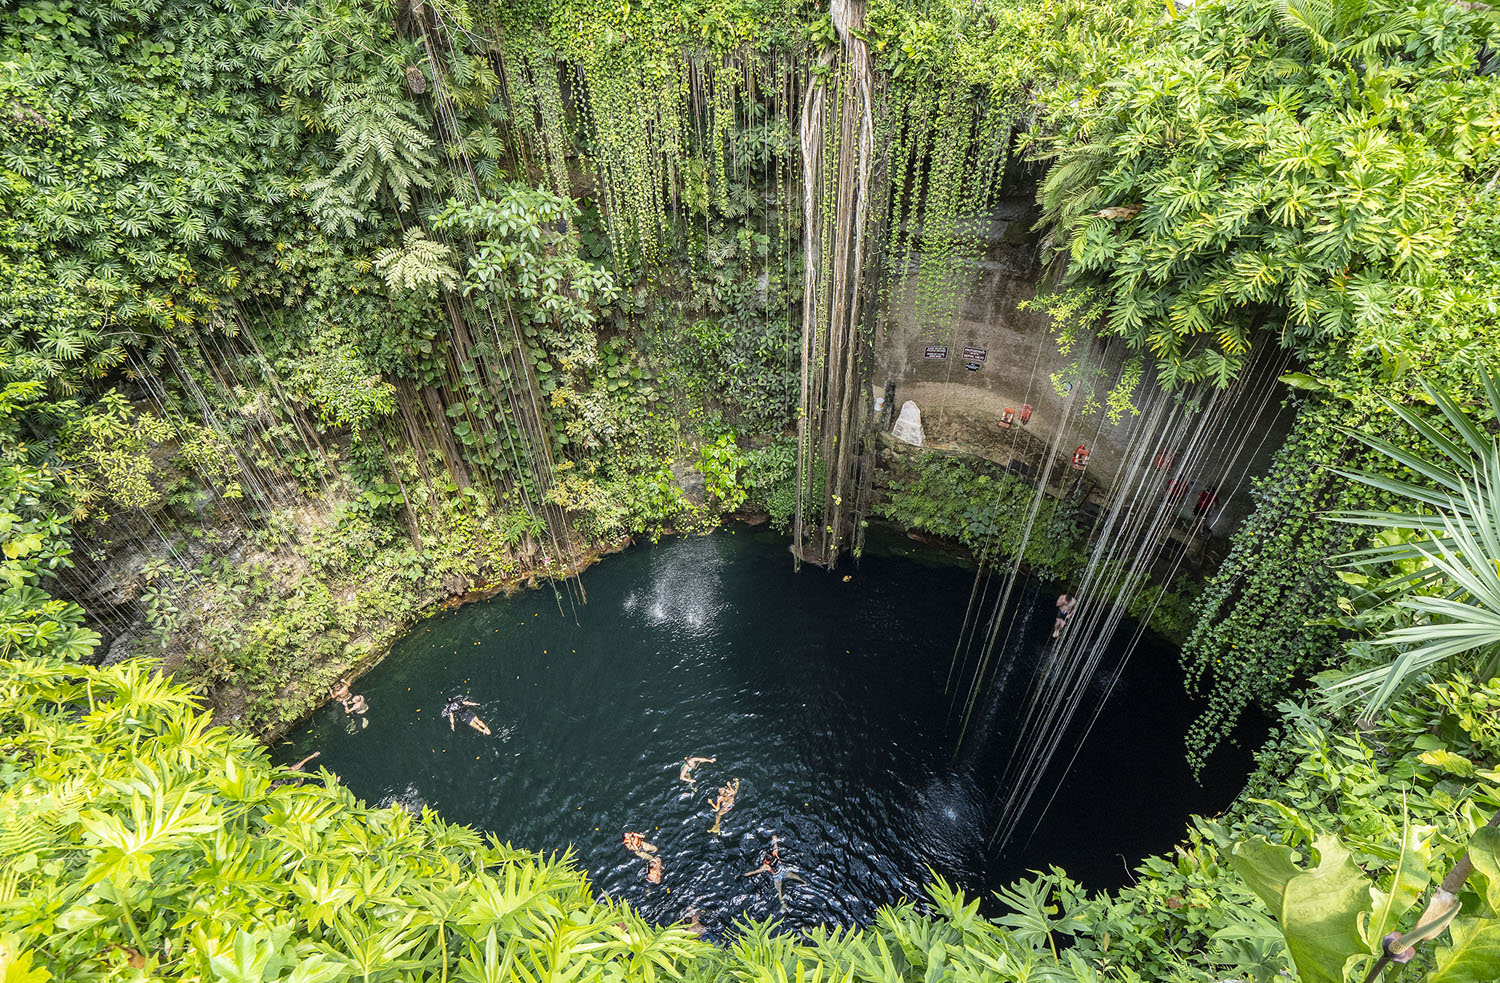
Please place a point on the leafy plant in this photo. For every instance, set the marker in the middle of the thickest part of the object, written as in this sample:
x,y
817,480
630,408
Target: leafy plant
x,y
1450,600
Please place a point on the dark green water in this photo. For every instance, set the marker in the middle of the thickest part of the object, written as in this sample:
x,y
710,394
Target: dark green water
x,y
824,697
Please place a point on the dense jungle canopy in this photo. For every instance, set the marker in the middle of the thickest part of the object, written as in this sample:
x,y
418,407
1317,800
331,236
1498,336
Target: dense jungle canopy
x,y
318,313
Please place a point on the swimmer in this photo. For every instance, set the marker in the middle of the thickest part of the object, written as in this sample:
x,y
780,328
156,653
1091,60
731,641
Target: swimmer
x,y
356,704
694,923
1065,605
339,690
723,804
653,870
636,844
770,861
686,774
457,709
771,864
297,768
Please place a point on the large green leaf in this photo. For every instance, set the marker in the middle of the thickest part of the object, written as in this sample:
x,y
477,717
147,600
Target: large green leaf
x,y
1266,868
1319,909
1484,852
1320,914
1407,884
1473,956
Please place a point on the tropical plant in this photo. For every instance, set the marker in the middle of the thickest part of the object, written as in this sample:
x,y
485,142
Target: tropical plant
x,y
1288,168
1430,585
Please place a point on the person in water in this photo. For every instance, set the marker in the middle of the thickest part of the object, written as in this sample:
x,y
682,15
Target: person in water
x,y
458,709
653,870
688,764
771,864
296,768
636,844
723,804
1065,605
351,702
693,922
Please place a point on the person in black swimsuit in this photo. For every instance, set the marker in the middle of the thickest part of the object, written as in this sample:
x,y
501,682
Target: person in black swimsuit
x,y
457,709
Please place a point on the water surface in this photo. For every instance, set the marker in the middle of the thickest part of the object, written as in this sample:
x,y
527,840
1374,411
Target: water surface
x,y
824,697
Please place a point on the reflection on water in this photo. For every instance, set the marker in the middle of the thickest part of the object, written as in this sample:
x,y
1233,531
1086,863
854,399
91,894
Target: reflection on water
x,y
824,698
409,799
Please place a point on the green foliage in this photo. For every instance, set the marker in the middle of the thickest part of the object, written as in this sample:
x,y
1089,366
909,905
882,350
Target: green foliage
x,y
1295,169
110,445
1470,707
985,508
1171,609
743,365
136,834
1318,908
769,478
1430,585
34,550
720,464
1265,618
334,380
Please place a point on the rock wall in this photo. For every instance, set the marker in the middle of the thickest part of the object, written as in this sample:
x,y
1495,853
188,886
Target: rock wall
x,y
994,357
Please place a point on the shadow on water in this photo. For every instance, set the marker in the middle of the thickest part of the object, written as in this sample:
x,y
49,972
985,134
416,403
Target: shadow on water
x,y
824,697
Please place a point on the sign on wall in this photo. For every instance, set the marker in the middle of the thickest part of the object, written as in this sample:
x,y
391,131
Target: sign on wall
x,y
972,354
935,351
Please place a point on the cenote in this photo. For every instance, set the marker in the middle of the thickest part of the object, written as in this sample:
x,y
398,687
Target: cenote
x,y
823,695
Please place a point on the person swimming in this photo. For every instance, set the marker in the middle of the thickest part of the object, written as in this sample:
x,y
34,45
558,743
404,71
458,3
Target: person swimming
x,y
688,764
353,703
771,864
1065,605
298,769
636,844
723,804
653,870
457,708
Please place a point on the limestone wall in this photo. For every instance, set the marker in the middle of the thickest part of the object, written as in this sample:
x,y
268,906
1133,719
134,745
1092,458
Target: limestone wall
x,y
999,357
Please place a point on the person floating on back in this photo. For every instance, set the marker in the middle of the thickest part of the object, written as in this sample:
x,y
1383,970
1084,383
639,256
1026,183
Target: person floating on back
x,y
771,864
688,764
458,709
723,804
1065,605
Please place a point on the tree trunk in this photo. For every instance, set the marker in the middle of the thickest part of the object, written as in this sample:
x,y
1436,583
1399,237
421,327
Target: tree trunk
x,y
837,159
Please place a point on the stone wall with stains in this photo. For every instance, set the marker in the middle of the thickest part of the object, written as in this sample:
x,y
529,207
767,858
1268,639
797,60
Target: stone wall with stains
x,y
992,357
